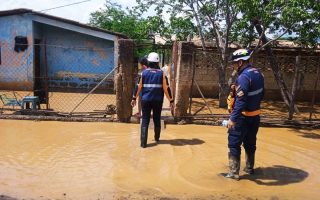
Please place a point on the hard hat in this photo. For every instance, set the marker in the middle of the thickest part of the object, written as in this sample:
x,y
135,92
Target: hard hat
x,y
240,54
153,57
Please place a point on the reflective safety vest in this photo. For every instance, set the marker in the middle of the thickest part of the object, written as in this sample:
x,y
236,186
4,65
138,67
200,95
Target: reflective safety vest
x,y
153,84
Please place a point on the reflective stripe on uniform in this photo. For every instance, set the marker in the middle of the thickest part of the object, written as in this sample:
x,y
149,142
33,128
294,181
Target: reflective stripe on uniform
x,y
255,92
251,113
152,85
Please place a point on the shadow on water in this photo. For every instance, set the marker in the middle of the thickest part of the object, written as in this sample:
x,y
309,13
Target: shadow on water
x,y
179,142
276,175
306,133
4,197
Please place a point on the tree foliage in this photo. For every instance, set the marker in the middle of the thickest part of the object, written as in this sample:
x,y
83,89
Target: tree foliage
x,y
236,21
298,19
221,21
132,23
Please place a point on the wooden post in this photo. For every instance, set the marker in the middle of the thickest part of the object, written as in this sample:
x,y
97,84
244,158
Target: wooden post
x,y
314,92
123,79
192,81
46,74
294,87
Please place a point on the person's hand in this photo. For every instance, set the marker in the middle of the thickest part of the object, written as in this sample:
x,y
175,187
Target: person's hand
x,y
231,124
133,103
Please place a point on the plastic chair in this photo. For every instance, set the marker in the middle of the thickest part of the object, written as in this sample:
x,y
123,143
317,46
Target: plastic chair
x,y
9,101
30,99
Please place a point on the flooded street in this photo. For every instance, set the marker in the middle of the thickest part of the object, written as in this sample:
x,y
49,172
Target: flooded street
x,y
79,160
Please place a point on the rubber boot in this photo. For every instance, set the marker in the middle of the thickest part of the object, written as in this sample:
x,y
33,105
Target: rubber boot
x,y
144,137
157,131
234,167
249,163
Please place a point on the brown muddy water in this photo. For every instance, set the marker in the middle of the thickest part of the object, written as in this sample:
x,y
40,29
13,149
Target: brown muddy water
x,y
69,160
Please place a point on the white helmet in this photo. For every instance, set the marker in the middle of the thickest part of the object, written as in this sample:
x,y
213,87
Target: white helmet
x,y
240,54
153,57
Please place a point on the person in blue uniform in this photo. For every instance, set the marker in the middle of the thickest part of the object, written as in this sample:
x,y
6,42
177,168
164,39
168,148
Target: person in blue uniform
x,y
153,84
244,120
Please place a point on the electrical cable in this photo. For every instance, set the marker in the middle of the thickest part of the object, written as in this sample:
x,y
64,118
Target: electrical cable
x,y
64,6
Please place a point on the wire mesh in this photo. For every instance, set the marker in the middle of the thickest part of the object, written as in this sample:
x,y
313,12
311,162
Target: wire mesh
x,y
205,66
60,76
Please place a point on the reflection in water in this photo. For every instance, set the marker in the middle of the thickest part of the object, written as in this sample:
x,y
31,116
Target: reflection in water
x,y
66,160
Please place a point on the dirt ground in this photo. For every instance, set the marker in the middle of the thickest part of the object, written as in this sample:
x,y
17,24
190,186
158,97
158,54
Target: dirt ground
x,y
72,160
66,102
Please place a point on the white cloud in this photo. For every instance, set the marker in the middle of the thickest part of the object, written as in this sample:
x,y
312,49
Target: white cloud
x,y
78,12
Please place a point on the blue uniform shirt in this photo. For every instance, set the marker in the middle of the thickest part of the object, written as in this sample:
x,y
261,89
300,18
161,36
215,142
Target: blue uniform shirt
x,y
152,89
249,91
153,84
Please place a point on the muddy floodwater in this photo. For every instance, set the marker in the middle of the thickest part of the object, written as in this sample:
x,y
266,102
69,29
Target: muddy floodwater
x,y
71,160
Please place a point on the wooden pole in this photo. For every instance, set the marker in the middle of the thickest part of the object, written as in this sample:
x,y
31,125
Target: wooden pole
x,y
93,89
314,93
202,96
294,87
192,81
46,74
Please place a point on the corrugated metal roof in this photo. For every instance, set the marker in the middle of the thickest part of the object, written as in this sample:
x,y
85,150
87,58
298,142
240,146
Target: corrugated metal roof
x,y
25,11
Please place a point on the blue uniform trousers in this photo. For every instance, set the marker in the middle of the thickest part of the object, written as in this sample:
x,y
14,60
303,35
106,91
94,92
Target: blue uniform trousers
x,y
156,107
245,131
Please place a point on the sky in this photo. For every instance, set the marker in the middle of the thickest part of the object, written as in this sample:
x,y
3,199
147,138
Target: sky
x,y
78,12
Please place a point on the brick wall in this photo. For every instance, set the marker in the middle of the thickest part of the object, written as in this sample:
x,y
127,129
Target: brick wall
x,y
207,76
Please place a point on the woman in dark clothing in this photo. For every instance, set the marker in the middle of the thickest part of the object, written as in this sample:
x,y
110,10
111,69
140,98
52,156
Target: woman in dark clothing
x,y
153,84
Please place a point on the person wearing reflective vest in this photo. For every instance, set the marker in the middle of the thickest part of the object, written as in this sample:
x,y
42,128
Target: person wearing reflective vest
x,y
244,120
152,85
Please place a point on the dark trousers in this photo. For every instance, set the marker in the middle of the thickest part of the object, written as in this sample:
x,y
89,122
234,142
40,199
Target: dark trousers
x,y
156,107
245,131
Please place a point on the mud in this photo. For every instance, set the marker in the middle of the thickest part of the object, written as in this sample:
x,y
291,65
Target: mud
x,y
69,160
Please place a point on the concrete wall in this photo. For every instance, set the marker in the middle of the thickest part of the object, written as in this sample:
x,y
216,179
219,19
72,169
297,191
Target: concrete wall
x,y
76,60
16,69
183,77
124,79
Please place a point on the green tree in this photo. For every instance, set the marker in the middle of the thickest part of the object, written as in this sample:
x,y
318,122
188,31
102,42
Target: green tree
x,y
213,20
243,21
299,18
131,23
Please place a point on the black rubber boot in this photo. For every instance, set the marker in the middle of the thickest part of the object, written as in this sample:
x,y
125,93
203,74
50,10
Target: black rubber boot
x,y
234,167
157,131
249,163
144,137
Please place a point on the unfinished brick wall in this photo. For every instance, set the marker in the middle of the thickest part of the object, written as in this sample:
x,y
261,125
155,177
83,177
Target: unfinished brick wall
x,y
286,60
207,76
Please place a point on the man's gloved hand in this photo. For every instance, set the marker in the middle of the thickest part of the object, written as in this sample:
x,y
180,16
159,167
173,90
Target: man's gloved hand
x,y
231,98
231,124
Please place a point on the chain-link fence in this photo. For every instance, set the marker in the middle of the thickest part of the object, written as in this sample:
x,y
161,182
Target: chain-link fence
x,y
65,79
204,95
